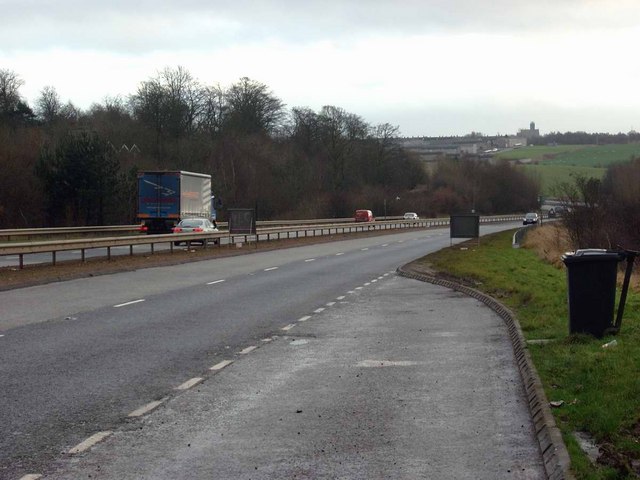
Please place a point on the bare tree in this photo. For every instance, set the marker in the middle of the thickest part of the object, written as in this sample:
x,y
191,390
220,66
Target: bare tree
x,y
48,104
253,108
10,84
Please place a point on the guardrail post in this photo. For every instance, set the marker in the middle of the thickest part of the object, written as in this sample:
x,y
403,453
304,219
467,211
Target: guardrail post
x,y
82,255
109,253
53,258
21,261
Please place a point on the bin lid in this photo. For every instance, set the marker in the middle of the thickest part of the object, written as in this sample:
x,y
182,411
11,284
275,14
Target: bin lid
x,y
592,255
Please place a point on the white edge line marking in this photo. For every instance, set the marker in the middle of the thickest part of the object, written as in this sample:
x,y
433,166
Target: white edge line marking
x,y
305,318
374,280
145,409
367,284
331,304
270,268
221,365
248,349
90,442
310,260
128,303
213,283
288,327
341,253
341,297
31,476
189,383
318,310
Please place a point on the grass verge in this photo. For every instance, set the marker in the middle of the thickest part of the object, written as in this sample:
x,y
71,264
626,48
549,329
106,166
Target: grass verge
x,y
599,387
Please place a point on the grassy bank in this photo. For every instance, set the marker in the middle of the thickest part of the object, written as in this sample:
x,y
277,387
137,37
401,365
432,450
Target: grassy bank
x,y
600,387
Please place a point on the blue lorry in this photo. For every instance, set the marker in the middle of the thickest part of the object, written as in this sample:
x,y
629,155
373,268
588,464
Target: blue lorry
x,y
166,197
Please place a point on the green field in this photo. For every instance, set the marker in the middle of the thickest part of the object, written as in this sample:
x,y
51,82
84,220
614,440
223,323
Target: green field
x,y
556,164
551,175
600,387
575,155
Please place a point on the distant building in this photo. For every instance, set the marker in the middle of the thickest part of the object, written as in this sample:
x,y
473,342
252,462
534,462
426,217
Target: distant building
x,y
533,132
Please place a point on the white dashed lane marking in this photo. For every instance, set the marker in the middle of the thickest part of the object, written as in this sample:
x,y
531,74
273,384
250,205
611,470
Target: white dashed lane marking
x,y
318,310
364,249
221,365
358,288
145,409
288,327
270,268
128,303
214,282
341,253
331,304
385,244
305,318
31,476
90,442
310,260
341,297
189,383
248,350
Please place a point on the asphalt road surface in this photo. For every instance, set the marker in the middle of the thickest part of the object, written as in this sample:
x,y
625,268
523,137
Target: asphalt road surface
x,y
79,358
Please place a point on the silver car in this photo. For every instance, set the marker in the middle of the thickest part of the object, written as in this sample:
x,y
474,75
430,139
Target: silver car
x,y
530,219
194,225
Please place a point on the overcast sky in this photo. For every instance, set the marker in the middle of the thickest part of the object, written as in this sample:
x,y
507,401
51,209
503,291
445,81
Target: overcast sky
x,y
431,67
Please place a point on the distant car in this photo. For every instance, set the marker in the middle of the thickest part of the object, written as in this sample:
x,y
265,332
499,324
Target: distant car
x,y
363,216
411,216
194,225
530,219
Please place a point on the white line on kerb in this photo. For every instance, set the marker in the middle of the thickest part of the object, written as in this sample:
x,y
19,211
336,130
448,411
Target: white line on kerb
x,y
90,442
310,260
318,310
214,282
128,303
341,297
145,409
247,350
288,327
189,383
221,365
331,304
270,268
305,318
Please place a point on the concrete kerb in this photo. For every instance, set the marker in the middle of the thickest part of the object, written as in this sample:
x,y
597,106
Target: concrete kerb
x,y
554,451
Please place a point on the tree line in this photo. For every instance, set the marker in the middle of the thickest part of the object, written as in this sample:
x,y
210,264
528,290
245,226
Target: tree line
x,y
62,165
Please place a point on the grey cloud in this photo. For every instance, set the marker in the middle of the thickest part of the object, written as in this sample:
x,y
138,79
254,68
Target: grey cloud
x,y
147,25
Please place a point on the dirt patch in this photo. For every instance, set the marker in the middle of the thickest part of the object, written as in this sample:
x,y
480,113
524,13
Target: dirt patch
x,y
13,277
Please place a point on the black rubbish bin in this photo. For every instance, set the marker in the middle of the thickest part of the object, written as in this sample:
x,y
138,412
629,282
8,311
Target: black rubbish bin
x,y
591,276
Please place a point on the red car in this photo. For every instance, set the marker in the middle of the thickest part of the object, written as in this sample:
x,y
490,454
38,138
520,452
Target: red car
x,y
363,216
